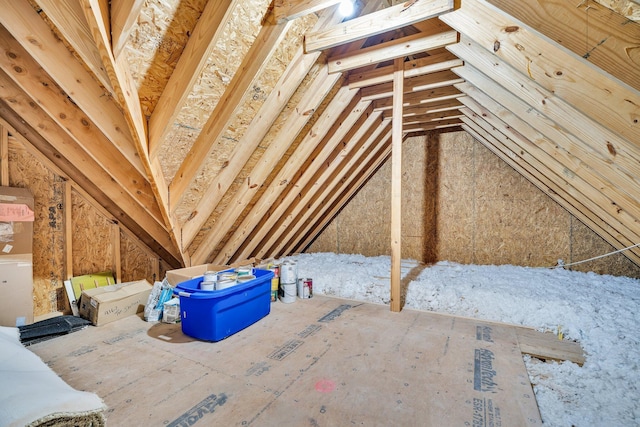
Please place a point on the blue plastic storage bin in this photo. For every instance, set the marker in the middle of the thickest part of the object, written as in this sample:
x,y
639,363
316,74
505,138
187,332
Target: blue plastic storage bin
x,y
215,315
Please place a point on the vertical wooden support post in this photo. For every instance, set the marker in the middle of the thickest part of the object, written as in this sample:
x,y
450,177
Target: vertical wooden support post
x,y
68,232
4,156
396,181
117,263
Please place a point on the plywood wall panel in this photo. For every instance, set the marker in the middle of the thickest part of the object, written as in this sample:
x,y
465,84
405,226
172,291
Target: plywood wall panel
x,y
363,226
92,238
26,171
585,244
328,239
137,263
486,213
515,222
455,199
91,227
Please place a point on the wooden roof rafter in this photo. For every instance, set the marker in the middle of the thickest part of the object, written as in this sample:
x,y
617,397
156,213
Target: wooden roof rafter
x,y
67,121
322,84
357,168
127,93
590,29
69,18
37,39
604,199
357,180
327,185
277,100
83,170
124,14
192,62
312,175
551,66
252,64
540,175
291,9
336,119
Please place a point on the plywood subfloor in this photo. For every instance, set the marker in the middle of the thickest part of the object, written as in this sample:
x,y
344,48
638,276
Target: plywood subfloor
x,y
316,362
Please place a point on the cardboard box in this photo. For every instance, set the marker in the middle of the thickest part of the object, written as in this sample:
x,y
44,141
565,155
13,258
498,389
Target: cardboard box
x,y
16,221
16,290
108,303
16,259
182,274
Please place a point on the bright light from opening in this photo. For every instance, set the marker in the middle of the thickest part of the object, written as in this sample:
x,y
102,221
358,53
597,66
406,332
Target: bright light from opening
x,y
346,8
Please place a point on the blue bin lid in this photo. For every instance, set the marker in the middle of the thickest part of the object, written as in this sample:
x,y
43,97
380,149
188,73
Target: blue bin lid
x,y
191,288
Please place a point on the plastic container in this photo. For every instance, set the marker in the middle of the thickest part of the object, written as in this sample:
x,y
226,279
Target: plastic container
x,y
215,315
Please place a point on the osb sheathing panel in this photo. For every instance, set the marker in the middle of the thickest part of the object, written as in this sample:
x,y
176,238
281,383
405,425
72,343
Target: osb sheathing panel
x,y
585,244
363,226
248,108
627,8
486,214
221,66
265,143
136,262
455,204
327,241
156,43
92,238
291,181
515,223
25,171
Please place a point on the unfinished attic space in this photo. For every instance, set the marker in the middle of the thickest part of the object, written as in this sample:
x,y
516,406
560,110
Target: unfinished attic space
x,y
280,212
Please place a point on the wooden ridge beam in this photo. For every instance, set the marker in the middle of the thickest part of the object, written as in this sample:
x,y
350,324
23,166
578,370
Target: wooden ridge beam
x,y
569,77
312,175
391,18
124,14
192,61
252,65
538,177
335,122
393,49
327,190
300,65
440,60
36,38
589,29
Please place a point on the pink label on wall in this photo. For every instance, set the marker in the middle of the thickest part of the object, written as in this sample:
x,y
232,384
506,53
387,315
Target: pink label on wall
x,y
15,212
